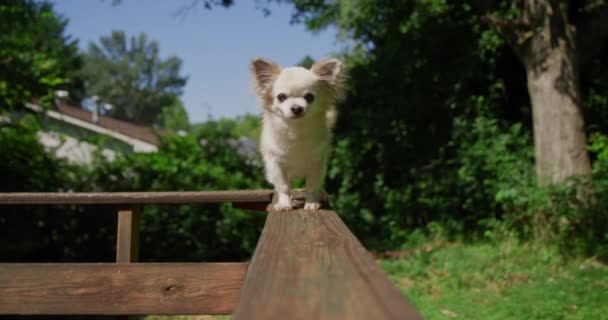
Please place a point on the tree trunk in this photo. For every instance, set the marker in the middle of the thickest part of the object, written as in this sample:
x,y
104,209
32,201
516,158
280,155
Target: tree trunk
x,y
546,46
559,130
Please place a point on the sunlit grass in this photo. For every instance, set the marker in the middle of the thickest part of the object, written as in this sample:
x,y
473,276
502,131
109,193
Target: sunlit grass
x,y
500,281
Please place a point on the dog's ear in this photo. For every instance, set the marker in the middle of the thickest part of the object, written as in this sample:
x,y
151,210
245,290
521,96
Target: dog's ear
x,y
331,72
264,73
327,70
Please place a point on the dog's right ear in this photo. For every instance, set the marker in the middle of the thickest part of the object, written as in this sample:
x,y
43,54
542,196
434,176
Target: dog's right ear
x,y
264,73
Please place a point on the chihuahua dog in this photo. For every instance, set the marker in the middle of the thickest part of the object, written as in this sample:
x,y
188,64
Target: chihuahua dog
x,y
298,114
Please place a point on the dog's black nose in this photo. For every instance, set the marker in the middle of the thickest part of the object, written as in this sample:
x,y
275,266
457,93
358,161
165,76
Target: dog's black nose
x,y
297,110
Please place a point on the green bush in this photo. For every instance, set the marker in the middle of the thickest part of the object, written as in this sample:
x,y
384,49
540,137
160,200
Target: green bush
x,y
46,233
168,233
189,232
481,185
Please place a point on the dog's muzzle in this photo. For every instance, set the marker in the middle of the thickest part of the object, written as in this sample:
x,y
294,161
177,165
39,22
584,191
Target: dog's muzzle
x,y
297,110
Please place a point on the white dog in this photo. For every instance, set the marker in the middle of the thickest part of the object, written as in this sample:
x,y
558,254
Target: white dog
x,y
297,117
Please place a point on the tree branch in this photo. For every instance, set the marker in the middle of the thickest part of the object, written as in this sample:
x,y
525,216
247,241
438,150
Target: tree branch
x,y
515,31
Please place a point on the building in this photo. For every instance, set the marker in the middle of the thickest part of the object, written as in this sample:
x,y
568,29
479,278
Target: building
x,y
76,134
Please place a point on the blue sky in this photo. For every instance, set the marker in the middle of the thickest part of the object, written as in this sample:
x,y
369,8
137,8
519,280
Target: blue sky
x,y
215,46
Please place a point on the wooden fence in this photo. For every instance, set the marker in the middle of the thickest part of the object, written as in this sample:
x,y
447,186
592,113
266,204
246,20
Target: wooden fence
x,y
306,265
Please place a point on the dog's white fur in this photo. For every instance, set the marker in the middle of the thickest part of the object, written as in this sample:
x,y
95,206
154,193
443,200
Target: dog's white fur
x,y
297,145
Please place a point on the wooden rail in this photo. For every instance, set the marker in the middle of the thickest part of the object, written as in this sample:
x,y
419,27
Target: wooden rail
x,y
119,289
239,196
307,265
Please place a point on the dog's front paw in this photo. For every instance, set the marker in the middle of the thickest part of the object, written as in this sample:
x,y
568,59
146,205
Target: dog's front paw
x,y
281,206
312,206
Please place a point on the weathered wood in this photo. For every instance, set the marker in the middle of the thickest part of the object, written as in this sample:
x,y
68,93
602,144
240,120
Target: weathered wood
x,y
113,289
308,265
127,235
137,197
127,241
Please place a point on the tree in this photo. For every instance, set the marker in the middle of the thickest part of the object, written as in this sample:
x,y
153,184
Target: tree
x,y
437,124
132,77
36,57
544,38
306,62
174,117
247,125
185,9
543,34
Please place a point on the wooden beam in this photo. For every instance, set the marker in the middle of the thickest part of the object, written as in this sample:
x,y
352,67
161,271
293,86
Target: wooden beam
x,y
308,265
120,289
127,235
127,241
137,197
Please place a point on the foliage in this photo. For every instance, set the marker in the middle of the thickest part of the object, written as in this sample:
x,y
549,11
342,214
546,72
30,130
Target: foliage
x,y
248,125
499,280
174,117
306,62
435,134
24,164
189,232
130,75
426,102
168,233
36,57
38,233
437,125
207,4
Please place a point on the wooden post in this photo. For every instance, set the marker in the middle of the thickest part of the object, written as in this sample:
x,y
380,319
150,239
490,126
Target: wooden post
x,y
127,240
127,237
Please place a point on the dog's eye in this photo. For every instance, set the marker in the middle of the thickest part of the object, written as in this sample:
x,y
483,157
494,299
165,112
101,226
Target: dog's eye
x,y
281,97
309,97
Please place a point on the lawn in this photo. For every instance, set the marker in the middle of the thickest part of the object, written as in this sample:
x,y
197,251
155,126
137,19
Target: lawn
x,y
500,281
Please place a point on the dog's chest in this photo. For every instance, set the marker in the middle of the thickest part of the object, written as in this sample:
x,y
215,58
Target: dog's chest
x,y
305,155
303,144
298,149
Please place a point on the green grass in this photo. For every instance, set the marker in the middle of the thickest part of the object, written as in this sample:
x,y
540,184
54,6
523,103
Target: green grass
x,y
500,281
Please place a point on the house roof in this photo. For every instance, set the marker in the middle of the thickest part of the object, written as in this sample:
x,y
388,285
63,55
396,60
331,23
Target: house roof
x,y
136,131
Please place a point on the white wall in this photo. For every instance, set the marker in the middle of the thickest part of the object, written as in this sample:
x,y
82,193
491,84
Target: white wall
x,y
69,148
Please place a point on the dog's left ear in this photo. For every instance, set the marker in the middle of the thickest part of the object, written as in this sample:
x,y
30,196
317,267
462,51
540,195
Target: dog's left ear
x,y
328,70
331,72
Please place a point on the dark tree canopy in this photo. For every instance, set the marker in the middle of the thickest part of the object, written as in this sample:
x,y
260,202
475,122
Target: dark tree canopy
x,y
36,57
438,120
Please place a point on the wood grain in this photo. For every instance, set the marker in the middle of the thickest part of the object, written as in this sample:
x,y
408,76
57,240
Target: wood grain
x,y
115,289
127,235
308,265
137,197
127,241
